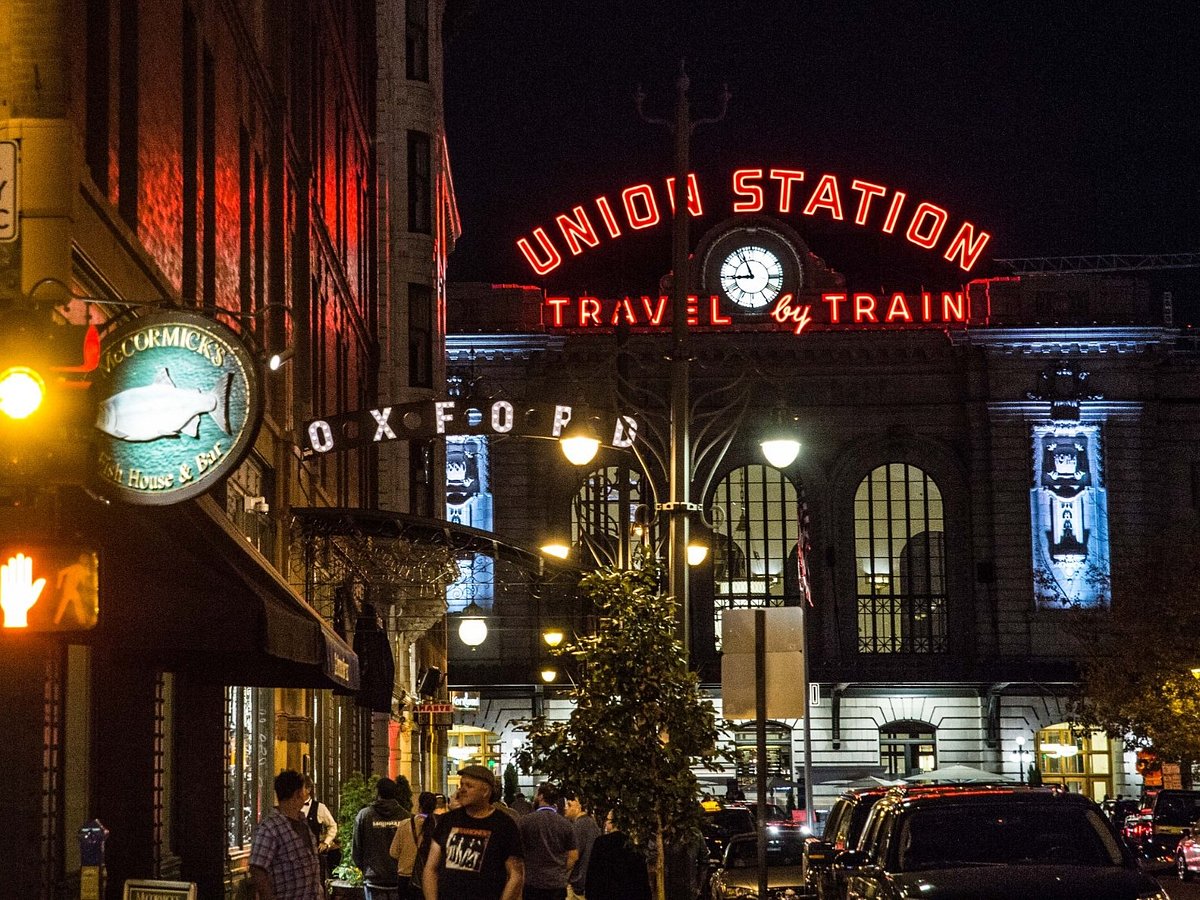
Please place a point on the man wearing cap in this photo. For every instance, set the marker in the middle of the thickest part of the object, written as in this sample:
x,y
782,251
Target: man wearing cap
x,y
476,851
374,829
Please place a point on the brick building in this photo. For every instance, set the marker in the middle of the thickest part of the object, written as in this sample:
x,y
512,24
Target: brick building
x,y
279,169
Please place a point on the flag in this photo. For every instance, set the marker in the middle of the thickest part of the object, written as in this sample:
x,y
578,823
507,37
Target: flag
x,y
803,546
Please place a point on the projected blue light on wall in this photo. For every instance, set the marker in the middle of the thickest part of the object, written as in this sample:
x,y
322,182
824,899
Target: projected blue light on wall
x,y
469,502
1069,511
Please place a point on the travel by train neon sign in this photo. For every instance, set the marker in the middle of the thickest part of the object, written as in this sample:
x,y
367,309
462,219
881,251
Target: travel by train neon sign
x,y
777,191
829,311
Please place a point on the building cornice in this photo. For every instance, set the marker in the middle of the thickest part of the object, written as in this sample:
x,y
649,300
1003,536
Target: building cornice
x,y
461,348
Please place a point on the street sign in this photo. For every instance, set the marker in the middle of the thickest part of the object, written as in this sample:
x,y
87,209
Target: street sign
x,y
435,708
784,663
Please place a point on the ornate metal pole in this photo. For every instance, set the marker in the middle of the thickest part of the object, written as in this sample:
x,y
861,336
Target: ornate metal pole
x,y
679,507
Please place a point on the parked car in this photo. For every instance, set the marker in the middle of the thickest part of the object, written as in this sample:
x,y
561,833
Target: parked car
x,y
991,843
737,876
720,825
843,827
1172,813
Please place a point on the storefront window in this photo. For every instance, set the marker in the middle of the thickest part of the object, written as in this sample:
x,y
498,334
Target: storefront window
x,y
250,782
1081,761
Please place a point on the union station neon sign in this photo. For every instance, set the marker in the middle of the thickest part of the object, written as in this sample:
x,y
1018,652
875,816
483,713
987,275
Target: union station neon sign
x,y
831,311
780,191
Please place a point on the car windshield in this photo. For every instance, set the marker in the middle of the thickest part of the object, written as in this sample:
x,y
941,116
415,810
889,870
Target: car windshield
x,y
948,835
784,848
1177,809
731,821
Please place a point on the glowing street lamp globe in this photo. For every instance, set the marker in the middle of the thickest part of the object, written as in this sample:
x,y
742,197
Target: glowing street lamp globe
x,y
780,452
472,629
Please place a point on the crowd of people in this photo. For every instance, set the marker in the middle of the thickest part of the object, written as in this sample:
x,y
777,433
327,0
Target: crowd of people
x,y
471,846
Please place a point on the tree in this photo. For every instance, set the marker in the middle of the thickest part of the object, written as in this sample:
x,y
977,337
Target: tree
x,y
639,722
1136,682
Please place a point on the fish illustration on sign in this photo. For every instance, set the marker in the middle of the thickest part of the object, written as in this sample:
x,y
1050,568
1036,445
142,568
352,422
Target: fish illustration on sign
x,y
160,409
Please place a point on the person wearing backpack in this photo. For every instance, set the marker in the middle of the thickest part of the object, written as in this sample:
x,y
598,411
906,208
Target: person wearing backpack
x,y
410,847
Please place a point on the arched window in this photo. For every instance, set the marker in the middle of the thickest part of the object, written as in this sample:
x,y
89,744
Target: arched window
x,y
755,522
597,517
907,748
900,562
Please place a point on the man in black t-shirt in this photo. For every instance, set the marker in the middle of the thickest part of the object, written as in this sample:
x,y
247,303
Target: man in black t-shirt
x,y
476,851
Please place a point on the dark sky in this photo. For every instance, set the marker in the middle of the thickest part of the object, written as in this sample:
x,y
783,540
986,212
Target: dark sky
x,y
1062,127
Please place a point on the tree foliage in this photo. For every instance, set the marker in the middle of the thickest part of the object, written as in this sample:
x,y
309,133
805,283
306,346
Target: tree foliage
x,y
1136,667
639,722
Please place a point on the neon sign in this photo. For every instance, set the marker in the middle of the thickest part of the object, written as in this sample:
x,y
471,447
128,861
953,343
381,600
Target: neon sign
x,y
845,310
781,191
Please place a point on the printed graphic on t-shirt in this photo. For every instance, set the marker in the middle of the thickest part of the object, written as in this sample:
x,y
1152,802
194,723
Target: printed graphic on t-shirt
x,y
465,848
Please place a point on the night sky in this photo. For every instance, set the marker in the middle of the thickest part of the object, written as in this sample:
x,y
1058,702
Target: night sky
x,y
1062,128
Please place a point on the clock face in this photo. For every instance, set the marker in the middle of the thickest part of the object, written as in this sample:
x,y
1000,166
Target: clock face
x,y
752,276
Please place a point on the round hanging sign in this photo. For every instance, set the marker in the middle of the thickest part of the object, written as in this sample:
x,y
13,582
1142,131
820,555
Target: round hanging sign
x,y
178,405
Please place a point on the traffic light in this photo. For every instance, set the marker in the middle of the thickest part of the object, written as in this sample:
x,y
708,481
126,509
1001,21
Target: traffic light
x,y
46,417
48,587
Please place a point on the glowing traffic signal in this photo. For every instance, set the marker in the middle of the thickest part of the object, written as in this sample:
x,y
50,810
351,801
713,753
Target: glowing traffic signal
x,y
22,391
48,587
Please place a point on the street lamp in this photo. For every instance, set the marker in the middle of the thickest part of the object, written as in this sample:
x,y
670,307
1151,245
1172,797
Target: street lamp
x,y
1022,754
579,442
553,636
472,629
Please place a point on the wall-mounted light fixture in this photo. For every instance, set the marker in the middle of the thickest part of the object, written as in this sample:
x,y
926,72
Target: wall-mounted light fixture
x,y
278,360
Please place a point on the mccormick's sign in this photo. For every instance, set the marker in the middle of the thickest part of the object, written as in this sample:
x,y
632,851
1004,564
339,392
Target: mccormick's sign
x,y
178,406
833,311
782,192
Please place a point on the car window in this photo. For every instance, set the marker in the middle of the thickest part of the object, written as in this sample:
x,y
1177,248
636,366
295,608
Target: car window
x,y
947,835
785,848
858,817
732,821
1177,808
834,822
867,840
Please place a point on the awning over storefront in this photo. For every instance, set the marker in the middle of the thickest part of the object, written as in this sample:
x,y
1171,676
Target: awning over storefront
x,y
199,597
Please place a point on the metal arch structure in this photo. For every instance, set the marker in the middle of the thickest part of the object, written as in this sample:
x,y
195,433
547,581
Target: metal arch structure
x,y
1111,262
403,563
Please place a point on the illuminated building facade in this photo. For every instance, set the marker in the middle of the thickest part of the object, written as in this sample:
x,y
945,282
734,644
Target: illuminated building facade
x,y
975,476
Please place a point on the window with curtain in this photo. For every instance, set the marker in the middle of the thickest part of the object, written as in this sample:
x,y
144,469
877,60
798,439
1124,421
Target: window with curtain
x,y
754,514
900,562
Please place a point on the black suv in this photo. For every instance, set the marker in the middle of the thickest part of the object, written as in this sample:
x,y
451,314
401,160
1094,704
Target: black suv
x,y
722,824
843,827
991,843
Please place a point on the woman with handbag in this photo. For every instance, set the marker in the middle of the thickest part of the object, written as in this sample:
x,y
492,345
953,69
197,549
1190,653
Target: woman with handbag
x,y
410,847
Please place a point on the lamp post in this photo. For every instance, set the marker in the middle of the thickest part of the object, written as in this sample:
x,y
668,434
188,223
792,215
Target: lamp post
x,y
1022,754
679,507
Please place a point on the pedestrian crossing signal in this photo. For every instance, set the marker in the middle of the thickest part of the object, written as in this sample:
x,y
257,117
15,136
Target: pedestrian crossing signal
x,y
48,587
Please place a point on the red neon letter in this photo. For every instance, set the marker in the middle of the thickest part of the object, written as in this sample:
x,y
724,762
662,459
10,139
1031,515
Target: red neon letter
x,y
889,224
868,192
649,216
923,213
967,248
576,229
540,266
606,213
864,308
714,312
753,192
825,196
926,310
556,304
655,315
589,311
693,309
954,307
898,309
786,177
624,308
834,310
693,194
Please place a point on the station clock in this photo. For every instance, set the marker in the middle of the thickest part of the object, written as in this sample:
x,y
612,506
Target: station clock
x,y
749,267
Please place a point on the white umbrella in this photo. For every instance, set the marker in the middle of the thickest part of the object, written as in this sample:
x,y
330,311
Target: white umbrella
x,y
959,774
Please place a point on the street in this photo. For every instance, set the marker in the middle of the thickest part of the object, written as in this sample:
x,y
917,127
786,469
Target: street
x,y
1178,890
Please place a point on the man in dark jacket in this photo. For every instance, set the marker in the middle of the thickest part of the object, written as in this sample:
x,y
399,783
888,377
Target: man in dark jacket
x,y
374,829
